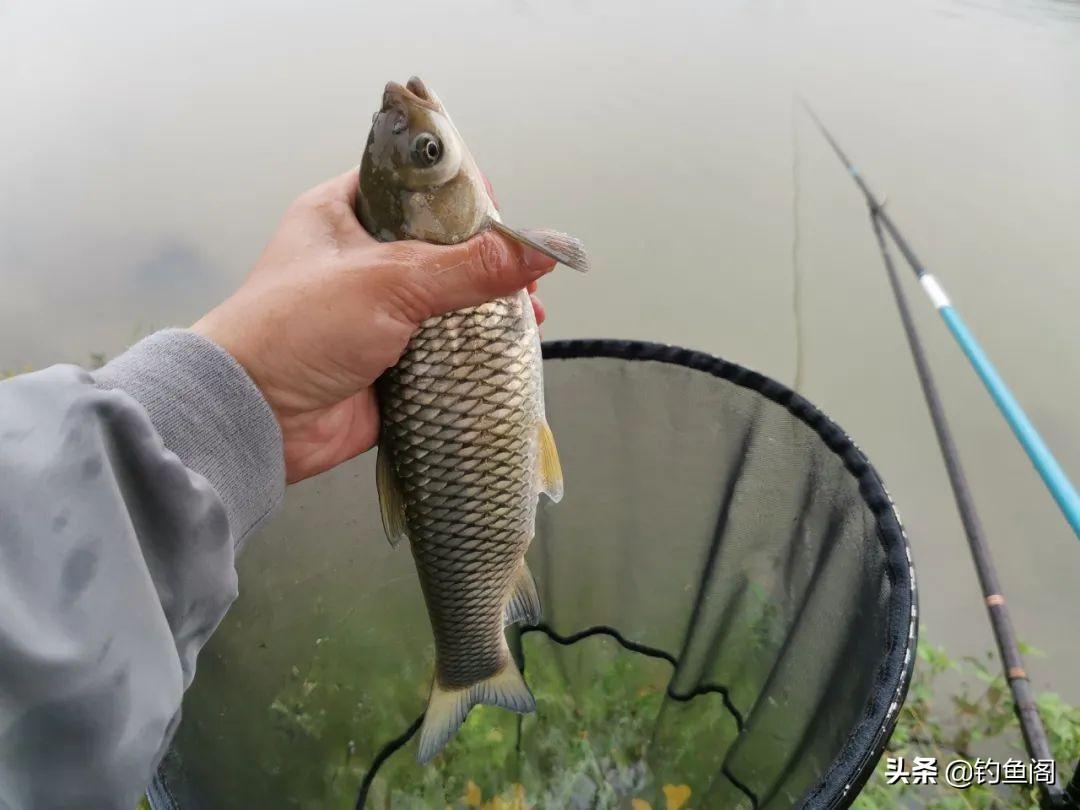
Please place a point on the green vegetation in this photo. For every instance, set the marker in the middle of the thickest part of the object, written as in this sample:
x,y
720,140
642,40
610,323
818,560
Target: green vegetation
x,y
611,708
604,738
978,720
598,744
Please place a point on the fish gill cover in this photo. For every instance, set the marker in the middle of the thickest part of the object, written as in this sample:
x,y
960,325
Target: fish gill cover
x,y
729,620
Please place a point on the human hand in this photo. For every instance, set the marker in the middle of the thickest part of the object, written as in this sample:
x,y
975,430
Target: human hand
x,y
327,309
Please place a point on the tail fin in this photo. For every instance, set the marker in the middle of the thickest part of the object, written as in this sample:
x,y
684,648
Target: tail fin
x,y
448,708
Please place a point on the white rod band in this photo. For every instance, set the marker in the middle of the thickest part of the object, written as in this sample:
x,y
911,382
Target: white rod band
x,y
934,290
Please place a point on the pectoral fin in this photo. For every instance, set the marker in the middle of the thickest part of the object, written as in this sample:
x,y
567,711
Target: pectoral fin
x,y
391,501
524,604
559,246
548,467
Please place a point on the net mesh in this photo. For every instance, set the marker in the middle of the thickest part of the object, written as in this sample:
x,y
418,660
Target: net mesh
x,y
728,620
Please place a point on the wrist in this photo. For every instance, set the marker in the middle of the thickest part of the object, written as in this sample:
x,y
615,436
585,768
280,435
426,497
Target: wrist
x,y
210,413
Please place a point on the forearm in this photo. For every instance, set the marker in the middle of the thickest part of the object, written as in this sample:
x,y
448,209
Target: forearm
x,y
123,498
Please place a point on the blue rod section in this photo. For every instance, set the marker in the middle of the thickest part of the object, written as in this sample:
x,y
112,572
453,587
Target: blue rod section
x,y
1047,466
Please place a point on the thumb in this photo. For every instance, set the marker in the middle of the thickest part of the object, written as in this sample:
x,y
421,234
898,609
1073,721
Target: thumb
x,y
481,269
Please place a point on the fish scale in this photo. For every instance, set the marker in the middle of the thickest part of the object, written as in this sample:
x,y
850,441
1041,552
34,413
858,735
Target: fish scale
x,y
466,459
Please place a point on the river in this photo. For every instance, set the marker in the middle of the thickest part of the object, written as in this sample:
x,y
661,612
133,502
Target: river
x,y
149,150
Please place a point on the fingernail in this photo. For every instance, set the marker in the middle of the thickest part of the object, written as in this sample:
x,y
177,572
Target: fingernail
x,y
536,262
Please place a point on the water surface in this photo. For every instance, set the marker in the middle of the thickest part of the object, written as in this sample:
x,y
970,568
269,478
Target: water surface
x,y
147,153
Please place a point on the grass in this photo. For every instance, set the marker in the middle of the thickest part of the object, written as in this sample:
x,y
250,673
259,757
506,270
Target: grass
x,y
976,721
595,741
590,749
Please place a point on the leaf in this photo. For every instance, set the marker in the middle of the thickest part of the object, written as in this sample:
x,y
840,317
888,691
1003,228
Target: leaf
x,y
676,796
1029,650
473,797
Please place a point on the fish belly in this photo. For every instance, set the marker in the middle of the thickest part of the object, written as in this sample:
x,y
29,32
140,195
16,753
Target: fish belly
x,y
460,414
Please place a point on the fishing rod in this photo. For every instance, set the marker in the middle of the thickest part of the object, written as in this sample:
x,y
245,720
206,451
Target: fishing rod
x,y
1035,736
1035,740
1031,725
1061,488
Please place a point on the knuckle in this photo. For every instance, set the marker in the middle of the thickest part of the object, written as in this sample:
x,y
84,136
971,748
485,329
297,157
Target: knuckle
x,y
322,197
306,199
403,294
491,260
401,252
300,208
335,208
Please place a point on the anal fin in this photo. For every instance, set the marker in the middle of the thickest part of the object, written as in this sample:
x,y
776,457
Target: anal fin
x,y
524,604
391,500
448,708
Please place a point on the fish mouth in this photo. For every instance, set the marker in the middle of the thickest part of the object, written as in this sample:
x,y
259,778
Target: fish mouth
x,y
413,92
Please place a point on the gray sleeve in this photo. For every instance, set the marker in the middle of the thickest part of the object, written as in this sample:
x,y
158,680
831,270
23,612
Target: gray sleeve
x,y
124,496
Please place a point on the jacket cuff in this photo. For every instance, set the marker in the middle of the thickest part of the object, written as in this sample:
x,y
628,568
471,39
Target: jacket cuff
x,y
211,415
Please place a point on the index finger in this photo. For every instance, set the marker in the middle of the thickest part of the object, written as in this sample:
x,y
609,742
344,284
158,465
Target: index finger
x,y
335,202
343,188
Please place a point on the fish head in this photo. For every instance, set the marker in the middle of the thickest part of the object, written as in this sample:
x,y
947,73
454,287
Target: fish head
x,y
417,178
412,139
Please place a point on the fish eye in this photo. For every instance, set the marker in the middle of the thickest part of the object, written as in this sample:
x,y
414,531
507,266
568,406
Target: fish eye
x,y
426,150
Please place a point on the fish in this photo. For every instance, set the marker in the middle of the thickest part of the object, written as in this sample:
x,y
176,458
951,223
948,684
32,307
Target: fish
x,y
465,450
